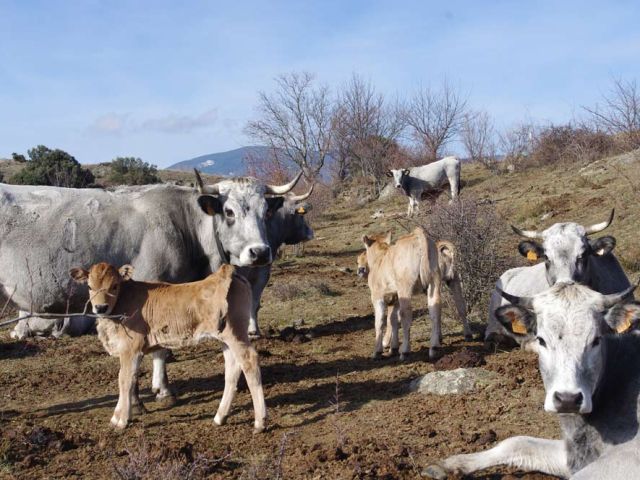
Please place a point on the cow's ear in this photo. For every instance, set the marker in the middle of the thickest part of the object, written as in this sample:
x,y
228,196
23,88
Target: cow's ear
x,y
532,250
623,317
405,171
126,272
518,321
367,241
389,174
79,275
304,208
210,205
603,245
274,203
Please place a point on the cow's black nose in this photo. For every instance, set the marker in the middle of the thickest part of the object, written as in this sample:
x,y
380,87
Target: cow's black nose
x,y
260,255
566,402
101,308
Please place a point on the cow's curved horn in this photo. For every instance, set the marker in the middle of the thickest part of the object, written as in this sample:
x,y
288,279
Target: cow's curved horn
x,y
526,302
282,189
526,233
613,298
304,196
598,227
205,189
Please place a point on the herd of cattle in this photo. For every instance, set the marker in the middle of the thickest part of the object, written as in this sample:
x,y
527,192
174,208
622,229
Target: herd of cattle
x,y
201,259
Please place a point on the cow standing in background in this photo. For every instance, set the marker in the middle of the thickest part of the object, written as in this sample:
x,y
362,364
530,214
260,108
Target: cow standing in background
x,y
417,182
410,265
569,256
591,376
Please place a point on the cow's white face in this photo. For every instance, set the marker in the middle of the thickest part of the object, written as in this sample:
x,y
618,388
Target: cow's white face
x,y
566,250
398,176
363,265
566,325
241,211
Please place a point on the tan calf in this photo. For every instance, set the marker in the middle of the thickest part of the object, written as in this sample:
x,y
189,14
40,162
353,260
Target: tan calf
x,y
161,315
396,272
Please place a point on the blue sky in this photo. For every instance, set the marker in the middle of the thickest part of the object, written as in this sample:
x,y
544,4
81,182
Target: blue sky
x,y
167,81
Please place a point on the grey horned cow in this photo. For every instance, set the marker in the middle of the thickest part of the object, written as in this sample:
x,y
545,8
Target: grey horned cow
x,y
591,377
569,255
416,182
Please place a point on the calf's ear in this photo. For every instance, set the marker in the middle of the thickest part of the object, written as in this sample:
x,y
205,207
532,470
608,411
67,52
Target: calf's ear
x,y
367,241
623,317
603,245
405,171
79,275
532,250
389,174
210,204
126,272
518,321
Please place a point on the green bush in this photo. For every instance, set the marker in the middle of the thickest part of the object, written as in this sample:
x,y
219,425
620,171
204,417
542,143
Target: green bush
x,y
133,171
52,167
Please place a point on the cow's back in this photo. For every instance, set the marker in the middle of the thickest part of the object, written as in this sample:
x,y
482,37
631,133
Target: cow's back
x,y
606,274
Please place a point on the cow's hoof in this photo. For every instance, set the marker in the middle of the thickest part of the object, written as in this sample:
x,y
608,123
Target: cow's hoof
x,y
404,356
119,423
138,409
376,356
219,420
435,472
394,352
166,398
259,428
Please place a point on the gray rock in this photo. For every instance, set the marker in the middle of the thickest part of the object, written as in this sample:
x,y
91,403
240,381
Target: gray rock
x,y
460,380
387,192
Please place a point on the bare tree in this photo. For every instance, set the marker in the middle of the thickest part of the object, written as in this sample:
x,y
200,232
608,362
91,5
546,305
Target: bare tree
x,y
619,112
366,128
295,121
479,138
434,117
516,144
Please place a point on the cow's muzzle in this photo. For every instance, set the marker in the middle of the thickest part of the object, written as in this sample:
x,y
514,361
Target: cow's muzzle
x,y
260,255
567,402
362,272
101,308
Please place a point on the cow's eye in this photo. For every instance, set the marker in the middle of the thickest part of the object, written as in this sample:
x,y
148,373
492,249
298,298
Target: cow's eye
x,y
229,213
541,342
595,342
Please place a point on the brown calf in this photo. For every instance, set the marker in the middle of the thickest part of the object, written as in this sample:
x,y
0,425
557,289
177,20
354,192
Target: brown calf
x,y
162,315
396,272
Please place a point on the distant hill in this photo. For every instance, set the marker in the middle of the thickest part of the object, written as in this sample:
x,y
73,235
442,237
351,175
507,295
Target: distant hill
x,y
222,163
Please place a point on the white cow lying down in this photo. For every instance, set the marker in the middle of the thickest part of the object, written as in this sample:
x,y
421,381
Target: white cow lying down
x,y
55,327
591,376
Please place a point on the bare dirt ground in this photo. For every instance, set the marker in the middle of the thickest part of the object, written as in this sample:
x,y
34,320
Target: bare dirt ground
x,y
334,412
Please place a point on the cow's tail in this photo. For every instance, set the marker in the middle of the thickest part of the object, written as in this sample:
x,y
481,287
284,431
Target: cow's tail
x,y
447,260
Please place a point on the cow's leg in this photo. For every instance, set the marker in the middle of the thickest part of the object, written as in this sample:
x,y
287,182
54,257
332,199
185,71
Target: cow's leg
x,y
435,309
392,325
61,327
232,372
386,340
404,306
160,381
454,183
137,407
455,286
378,310
410,207
129,363
258,283
526,453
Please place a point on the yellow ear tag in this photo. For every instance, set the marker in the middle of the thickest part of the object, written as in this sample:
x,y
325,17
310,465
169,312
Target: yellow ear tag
x,y
625,324
532,256
518,327
301,211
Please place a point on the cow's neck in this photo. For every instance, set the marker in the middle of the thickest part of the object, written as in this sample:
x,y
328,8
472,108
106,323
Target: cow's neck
x,y
614,418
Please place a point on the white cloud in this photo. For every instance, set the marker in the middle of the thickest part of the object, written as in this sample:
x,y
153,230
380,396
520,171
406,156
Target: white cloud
x,y
123,123
110,123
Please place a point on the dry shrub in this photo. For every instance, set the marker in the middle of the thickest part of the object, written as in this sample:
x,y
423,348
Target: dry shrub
x,y
285,292
567,143
476,230
159,463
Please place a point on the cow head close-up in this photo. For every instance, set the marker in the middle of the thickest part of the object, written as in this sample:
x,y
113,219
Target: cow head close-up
x,y
104,283
566,326
289,223
363,265
399,176
566,249
240,208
